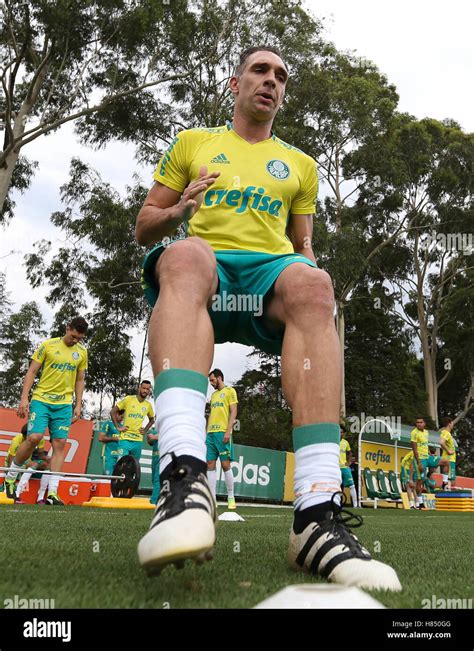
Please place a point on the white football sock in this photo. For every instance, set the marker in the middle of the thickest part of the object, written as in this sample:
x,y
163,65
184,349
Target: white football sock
x,y
419,500
43,486
229,482
317,472
445,479
353,495
212,479
53,484
13,472
22,484
180,420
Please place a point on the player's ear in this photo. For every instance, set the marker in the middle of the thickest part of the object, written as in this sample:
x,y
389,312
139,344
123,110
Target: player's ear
x,y
234,85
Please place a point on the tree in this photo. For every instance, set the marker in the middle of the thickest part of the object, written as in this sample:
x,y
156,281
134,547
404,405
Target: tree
x,y
264,416
20,335
423,172
100,261
68,60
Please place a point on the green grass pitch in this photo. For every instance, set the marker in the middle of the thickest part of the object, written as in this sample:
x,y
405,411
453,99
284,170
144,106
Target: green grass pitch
x,y
86,558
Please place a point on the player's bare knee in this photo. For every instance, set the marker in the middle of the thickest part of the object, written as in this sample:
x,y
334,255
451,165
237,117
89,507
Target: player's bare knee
x,y
187,260
34,439
309,292
211,465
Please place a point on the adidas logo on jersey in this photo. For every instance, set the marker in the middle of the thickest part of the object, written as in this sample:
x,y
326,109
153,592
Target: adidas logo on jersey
x,y
221,158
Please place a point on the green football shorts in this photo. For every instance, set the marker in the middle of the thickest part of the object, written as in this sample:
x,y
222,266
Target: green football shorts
x,y
57,418
245,279
217,449
346,475
416,472
133,448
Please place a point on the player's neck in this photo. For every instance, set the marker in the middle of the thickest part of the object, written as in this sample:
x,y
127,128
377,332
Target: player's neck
x,y
220,386
251,131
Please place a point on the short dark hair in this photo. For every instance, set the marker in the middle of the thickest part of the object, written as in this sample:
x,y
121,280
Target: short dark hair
x,y
217,373
251,50
145,382
79,324
342,427
24,429
446,420
420,418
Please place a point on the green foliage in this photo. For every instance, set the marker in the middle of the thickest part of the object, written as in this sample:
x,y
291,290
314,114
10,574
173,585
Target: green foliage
x,y
20,334
265,419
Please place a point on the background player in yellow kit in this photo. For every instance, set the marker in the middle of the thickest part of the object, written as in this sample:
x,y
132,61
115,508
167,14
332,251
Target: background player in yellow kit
x,y
245,200
219,444
448,455
419,442
344,462
63,361
38,461
131,431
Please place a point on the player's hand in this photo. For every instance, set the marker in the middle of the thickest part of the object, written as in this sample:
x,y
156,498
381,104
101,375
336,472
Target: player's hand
x,y
122,428
451,452
226,438
420,467
191,199
23,407
76,414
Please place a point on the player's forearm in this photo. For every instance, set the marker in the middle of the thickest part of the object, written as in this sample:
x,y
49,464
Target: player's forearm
x,y
27,384
153,223
415,452
79,391
307,251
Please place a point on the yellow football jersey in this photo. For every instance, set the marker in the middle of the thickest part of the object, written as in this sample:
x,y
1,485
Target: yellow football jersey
x,y
344,449
60,364
221,400
17,441
448,437
135,412
407,460
259,187
421,439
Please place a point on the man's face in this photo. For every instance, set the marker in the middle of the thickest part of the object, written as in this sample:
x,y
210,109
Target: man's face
x,y
72,336
213,380
260,89
144,390
420,424
342,433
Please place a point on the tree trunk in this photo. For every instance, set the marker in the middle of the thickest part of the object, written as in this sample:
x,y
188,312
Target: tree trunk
x,y
6,173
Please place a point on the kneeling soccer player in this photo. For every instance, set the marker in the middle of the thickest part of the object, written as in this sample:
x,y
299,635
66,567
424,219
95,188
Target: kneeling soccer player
x,y
38,461
249,223
64,362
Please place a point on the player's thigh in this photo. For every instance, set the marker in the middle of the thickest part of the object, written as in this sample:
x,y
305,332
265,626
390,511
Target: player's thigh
x,y
298,287
38,417
60,422
191,259
212,450
347,479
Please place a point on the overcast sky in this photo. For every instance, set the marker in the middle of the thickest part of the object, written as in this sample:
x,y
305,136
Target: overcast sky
x,y
424,48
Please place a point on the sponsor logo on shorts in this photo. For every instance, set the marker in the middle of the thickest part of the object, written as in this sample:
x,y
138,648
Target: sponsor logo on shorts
x,y
278,169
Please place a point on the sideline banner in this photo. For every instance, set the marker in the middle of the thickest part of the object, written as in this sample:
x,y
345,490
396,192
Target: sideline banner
x,y
258,473
77,445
